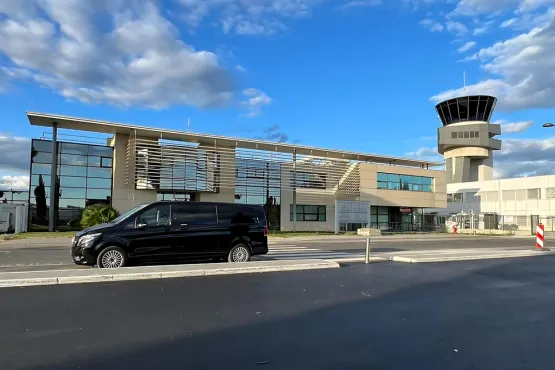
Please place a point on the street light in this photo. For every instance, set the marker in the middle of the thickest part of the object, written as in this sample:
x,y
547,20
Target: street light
x,y
548,124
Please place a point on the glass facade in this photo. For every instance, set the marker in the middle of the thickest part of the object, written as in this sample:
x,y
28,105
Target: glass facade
x,y
84,178
14,196
308,213
467,108
396,219
259,182
392,181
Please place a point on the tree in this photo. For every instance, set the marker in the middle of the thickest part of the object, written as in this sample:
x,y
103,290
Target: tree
x,y
98,214
40,196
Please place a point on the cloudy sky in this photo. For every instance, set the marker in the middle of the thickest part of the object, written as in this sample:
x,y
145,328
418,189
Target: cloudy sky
x,y
360,75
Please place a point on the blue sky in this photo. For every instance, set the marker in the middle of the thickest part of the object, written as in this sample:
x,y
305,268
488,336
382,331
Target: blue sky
x,y
359,75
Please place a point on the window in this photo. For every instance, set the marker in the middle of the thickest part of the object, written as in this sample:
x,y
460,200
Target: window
x,y
194,214
458,197
105,162
392,181
453,135
308,180
73,159
308,213
472,134
460,134
471,198
466,134
508,195
476,133
550,193
158,215
533,194
71,148
239,214
100,172
41,157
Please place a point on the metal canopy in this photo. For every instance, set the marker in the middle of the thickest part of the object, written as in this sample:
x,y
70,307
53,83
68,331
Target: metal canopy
x,y
83,124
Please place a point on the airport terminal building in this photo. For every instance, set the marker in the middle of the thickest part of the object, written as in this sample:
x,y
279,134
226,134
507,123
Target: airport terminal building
x,y
299,186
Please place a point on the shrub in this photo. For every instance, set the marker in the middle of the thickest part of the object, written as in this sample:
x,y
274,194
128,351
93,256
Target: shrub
x,y
98,214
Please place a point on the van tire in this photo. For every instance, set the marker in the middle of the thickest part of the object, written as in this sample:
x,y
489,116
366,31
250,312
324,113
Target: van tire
x,y
112,257
239,253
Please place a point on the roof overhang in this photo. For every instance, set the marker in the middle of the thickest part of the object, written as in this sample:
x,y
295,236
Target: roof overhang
x,y
83,124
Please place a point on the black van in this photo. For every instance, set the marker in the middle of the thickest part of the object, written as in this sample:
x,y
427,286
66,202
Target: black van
x,y
175,229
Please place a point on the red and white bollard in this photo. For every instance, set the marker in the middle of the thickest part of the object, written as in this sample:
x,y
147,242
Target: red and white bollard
x,y
539,236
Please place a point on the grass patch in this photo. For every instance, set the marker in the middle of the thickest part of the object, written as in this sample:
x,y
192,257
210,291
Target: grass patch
x,y
39,234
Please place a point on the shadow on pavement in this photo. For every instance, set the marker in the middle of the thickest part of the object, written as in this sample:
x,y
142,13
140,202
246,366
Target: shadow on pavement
x,y
479,315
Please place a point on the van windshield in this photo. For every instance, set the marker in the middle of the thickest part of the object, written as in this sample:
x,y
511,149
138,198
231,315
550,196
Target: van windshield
x,y
128,213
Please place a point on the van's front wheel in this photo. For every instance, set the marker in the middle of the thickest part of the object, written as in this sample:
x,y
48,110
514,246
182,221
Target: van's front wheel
x,y
239,253
112,257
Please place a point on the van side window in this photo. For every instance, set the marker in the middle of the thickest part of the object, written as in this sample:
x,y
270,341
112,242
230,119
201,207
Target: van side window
x,y
236,215
193,214
159,215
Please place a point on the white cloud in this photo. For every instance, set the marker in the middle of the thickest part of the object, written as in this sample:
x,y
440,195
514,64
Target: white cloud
x,y
466,47
429,154
246,17
523,67
240,68
513,127
480,31
457,28
14,183
432,25
15,154
255,100
525,157
135,59
361,3
476,7
508,22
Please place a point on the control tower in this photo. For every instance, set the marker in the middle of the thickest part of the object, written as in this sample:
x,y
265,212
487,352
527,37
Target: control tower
x,y
466,138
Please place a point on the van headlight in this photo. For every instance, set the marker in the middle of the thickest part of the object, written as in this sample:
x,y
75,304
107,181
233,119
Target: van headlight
x,y
86,241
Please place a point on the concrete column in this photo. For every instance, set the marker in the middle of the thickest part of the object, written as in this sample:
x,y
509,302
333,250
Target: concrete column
x,y
52,212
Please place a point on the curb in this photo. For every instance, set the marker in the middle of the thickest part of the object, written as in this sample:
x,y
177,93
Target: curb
x,y
464,258
360,259
99,276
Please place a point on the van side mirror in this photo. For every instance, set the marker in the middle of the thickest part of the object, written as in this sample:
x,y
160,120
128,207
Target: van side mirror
x,y
140,226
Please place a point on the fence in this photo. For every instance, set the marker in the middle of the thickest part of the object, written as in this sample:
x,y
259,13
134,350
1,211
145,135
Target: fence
x,y
521,224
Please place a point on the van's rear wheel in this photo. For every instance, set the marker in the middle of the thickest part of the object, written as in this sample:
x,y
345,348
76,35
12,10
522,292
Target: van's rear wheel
x,y
112,257
239,253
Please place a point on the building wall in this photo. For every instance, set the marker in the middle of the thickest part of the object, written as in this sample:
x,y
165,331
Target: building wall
x,y
401,198
495,197
125,196
368,192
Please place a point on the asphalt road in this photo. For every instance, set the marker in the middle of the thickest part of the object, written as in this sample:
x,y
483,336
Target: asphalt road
x,y
53,254
490,315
